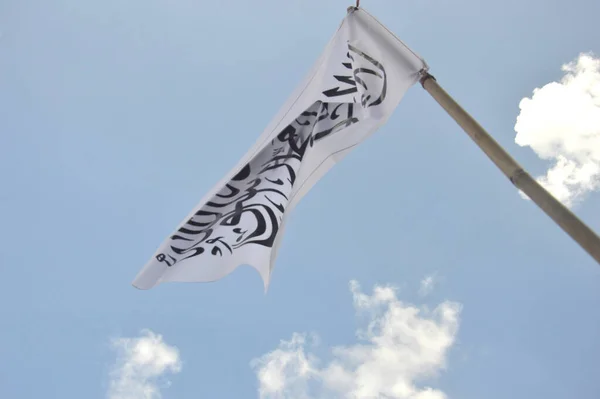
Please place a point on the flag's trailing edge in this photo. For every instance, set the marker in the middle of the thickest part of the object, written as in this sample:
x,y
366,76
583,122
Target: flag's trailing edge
x,y
350,92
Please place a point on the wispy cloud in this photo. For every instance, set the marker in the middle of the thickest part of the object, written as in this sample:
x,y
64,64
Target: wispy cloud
x,y
561,123
427,284
141,363
399,346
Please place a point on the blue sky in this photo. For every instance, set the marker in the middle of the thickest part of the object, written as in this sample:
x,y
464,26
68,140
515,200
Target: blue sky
x,y
115,119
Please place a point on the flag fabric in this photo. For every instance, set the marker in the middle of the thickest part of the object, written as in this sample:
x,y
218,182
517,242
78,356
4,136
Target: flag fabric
x,y
350,92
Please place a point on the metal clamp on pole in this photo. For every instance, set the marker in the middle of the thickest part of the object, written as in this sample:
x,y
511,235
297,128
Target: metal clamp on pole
x,y
570,223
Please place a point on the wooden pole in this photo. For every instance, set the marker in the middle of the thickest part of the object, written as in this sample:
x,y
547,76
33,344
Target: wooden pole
x,y
570,223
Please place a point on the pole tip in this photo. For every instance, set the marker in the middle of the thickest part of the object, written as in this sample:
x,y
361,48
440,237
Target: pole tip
x,y
425,75
354,8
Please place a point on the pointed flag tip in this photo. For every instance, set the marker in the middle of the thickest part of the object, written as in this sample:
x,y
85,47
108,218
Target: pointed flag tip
x,y
265,276
142,287
266,281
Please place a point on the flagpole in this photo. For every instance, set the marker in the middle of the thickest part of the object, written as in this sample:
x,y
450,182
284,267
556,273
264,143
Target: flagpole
x,y
570,223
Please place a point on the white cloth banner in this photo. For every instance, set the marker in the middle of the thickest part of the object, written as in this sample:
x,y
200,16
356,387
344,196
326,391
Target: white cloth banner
x,y
351,91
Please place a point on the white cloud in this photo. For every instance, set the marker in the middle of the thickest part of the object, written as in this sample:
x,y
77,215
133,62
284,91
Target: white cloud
x,y
399,347
561,123
141,363
427,284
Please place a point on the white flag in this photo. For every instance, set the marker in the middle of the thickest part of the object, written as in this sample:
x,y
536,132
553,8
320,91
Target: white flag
x,y
351,91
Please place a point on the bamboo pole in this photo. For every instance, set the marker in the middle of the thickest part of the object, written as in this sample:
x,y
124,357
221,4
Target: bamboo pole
x,y
570,223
